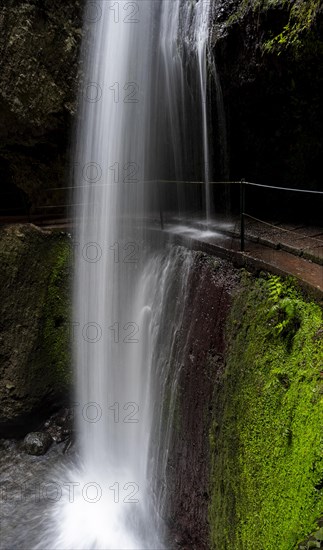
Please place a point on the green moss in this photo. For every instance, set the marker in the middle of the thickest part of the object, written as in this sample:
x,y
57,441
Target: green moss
x,y
266,438
34,332
56,333
301,20
302,16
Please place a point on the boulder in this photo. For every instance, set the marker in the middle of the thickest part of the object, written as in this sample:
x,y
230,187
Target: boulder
x,y
37,443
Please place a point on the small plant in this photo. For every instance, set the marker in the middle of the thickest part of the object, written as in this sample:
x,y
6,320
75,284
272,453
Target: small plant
x,y
301,20
275,288
285,314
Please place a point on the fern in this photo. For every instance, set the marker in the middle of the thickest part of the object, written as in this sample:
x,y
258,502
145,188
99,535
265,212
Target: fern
x,y
285,314
275,288
287,311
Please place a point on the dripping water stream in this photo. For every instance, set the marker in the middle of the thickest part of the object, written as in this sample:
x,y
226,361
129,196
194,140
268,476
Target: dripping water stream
x,y
183,82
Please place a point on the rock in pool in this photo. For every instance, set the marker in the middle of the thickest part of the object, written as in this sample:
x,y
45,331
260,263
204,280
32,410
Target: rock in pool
x,y
37,443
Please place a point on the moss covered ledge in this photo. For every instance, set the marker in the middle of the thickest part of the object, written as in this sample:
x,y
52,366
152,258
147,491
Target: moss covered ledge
x,y
266,436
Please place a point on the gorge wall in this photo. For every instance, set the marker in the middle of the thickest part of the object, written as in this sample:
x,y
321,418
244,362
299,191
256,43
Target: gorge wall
x,y
35,362
39,72
266,435
245,464
268,55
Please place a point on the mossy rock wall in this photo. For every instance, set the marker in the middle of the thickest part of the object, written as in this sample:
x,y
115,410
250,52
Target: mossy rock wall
x,y
34,329
266,438
245,460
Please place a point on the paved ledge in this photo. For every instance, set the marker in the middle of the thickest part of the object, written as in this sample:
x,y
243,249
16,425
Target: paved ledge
x,y
258,258
303,241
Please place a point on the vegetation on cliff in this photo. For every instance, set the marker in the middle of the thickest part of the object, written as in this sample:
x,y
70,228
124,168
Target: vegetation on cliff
x,y
300,18
34,329
266,439
295,33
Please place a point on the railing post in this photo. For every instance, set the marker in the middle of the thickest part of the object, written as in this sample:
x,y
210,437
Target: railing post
x,y
242,213
160,206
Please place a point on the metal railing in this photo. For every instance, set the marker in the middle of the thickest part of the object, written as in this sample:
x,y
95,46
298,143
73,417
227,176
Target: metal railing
x,y
158,183
243,208
243,213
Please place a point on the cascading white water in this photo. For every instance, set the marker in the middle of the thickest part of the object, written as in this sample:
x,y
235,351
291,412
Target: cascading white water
x,y
184,39
125,316
111,307
222,127
201,38
103,506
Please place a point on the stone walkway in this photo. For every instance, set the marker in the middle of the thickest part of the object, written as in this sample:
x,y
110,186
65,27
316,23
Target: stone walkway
x,y
297,239
306,242
297,252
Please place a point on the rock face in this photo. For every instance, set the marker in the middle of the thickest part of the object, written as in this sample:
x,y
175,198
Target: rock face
x,y
34,330
39,46
202,354
268,57
248,404
37,443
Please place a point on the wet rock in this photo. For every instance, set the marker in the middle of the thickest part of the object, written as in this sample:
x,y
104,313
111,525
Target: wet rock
x,y
203,346
60,425
39,50
37,443
274,118
34,346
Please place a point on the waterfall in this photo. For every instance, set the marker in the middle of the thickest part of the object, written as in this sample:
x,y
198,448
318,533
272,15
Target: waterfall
x,y
129,288
202,32
222,126
184,38
113,290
